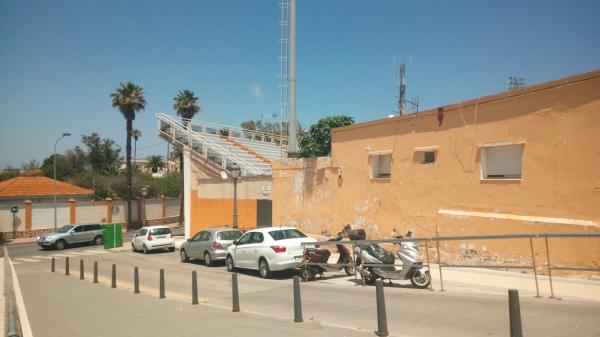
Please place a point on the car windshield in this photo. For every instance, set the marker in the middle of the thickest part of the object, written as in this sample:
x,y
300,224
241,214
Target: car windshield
x,y
229,235
284,234
64,229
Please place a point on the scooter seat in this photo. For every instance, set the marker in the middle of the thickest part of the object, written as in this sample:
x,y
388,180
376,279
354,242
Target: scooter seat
x,y
323,252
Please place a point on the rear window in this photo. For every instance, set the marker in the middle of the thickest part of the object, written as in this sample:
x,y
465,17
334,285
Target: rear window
x,y
284,234
229,235
160,231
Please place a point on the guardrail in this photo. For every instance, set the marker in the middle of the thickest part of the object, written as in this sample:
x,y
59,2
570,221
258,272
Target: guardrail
x,y
437,239
12,324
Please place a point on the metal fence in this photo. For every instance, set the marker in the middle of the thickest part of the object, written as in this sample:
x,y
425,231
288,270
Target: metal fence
x,y
425,242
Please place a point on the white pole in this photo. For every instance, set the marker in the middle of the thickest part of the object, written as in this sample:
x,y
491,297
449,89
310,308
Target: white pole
x,y
292,144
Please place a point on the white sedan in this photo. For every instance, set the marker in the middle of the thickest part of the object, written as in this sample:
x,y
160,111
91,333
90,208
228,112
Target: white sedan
x,y
267,249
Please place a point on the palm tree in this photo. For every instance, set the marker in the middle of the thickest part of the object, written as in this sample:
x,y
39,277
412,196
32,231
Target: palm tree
x,y
154,163
129,99
135,134
186,105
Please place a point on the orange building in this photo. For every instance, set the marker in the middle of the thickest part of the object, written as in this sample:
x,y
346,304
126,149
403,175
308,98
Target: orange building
x,y
522,161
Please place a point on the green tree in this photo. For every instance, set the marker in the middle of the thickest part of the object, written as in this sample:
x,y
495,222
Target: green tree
x,y
317,140
63,167
154,163
186,105
9,172
129,99
30,165
135,134
103,154
78,159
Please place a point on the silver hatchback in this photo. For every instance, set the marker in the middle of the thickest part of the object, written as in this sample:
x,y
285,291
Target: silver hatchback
x,y
209,245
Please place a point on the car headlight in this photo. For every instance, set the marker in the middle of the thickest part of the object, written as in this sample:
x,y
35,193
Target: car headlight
x,y
49,238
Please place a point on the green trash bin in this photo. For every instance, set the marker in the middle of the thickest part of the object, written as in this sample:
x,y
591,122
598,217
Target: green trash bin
x,y
113,235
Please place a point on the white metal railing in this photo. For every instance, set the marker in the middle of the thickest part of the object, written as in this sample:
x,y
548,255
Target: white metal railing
x,y
175,125
236,132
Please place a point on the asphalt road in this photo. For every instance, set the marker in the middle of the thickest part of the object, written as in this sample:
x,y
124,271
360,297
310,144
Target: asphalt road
x,y
336,306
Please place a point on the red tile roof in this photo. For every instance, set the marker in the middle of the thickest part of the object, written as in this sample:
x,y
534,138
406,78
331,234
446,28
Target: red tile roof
x,y
38,186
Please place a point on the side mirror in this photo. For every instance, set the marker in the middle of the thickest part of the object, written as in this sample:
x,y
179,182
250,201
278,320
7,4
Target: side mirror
x,y
189,240
235,242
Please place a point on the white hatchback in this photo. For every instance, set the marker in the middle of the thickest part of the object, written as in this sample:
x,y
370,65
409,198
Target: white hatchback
x,y
267,249
152,238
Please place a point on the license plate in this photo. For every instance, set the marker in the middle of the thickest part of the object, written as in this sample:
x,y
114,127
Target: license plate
x,y
161,236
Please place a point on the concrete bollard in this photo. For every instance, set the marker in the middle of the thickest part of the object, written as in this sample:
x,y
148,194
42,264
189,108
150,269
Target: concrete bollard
x,y
514,313
52,265
162,284
194,288
382,329
136,281
81,270
297,300
235,296
95,271
67,266
113,283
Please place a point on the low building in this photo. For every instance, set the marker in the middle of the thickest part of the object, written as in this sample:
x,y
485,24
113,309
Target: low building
x,y
521,161
16,190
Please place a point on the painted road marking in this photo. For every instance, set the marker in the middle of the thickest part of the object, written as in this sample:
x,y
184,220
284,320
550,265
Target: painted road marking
x,y
22,259
96,252
41,257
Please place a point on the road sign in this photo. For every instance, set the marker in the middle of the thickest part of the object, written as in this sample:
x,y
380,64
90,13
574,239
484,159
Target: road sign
x,y
14,209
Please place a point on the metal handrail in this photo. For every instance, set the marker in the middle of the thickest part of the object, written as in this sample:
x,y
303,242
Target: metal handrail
x,y
437,239
216,147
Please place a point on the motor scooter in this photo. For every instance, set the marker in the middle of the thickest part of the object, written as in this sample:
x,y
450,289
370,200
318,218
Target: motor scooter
x,y
310,270
408,252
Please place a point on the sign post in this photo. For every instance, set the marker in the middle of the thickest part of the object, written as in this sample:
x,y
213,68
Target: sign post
x,y
14,211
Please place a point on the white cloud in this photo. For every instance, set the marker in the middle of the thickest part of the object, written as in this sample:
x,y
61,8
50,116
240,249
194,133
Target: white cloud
x,y
256,90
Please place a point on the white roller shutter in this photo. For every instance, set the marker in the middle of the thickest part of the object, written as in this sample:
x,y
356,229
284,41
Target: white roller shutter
x,y
503,162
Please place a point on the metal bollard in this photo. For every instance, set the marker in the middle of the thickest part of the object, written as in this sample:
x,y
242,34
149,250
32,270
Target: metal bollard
x,y
514,313
235,294
297,300
194,288
95,271
81,271
136,281
382,329
67,266
52,265
113,283
162,284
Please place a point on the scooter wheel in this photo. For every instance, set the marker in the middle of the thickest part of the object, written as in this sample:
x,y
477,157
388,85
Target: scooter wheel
x,y
420,280
308,274
369,279
349,270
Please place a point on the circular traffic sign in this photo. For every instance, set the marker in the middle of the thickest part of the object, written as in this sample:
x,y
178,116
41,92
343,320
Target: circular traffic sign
x,y
14,209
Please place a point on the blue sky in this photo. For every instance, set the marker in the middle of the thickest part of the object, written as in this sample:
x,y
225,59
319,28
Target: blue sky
x,y
60,60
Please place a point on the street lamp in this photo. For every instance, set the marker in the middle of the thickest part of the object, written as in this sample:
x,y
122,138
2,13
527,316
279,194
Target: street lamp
x,y
65,134
235,174
144,194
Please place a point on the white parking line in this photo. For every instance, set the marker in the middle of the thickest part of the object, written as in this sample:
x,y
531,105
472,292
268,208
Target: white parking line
x,y
61,255
76,254
22,259
96,251
42,257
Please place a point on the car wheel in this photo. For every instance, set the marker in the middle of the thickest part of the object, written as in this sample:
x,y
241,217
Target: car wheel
x,y
145,249
263,268
229,263
207,259
60,244
133,248
184,256
98,240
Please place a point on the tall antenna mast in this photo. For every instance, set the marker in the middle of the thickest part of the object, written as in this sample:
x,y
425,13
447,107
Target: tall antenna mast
x,y
515,82
292,132
284,6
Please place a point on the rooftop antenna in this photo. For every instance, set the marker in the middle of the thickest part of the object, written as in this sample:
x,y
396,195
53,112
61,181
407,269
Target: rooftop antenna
x,y
404,105
515,82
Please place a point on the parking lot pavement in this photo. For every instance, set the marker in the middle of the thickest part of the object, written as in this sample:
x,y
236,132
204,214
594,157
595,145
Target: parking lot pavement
x,y
337,301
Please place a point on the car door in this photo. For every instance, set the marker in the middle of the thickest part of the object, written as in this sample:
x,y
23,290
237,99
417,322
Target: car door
x,y
138,240
203,244
252,250
193,245
76,235
89,232
239,258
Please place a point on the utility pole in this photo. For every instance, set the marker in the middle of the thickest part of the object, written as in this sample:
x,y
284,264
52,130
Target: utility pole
x,y
292,125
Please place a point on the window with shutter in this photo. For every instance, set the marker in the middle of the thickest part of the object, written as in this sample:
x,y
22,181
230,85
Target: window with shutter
x,y
502,162
381,165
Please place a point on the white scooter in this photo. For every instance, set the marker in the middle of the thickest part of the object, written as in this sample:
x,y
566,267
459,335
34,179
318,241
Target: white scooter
x,y
409,253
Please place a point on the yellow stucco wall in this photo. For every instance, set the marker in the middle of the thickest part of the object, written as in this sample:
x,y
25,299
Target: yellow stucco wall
x,y
213,212
559,123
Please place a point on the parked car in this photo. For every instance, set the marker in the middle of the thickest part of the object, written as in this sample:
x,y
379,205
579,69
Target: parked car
x,y
267,249
70,234
153,238
209,245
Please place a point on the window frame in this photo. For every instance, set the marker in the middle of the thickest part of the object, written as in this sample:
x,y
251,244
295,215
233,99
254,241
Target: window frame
x,y
376,156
